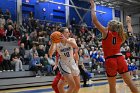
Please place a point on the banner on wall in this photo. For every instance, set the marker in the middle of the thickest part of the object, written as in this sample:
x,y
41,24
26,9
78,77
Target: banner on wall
x,y
27,1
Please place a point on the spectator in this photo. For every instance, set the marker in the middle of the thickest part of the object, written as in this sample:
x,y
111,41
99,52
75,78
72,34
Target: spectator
x,y
82,68
7,14
35,64
32,51
47,65
15,60
17,33
41,52
22,52
1,13
2,20
26,41
2,33
9,33
6,61
1,59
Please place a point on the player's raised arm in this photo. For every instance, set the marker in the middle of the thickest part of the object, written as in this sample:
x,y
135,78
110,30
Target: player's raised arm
x,y
95,21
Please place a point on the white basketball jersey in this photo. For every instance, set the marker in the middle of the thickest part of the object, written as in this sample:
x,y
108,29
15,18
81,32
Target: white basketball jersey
x,y
65,51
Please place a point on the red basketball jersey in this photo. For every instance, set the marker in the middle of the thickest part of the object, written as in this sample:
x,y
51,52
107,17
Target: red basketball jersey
x,y
111,44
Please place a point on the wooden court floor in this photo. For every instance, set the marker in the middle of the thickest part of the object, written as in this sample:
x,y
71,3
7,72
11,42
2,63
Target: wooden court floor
x,y
96,87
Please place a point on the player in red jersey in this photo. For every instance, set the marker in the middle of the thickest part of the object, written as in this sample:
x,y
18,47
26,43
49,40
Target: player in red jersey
x,y
113,36
58,77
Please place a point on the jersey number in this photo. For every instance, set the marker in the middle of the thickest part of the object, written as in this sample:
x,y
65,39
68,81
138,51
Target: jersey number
x,y
67,54
114,41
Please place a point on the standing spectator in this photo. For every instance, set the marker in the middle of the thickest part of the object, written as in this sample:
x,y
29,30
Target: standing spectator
x,y
6,61
15,60
82,68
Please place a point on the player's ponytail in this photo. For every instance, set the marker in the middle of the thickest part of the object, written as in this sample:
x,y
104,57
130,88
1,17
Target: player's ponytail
x,y
121,31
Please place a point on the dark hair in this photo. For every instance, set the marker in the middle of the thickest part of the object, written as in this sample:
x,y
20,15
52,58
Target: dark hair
x,y
1,47
62,29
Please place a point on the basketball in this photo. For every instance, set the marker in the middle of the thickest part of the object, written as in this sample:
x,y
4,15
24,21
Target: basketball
x,y
55,37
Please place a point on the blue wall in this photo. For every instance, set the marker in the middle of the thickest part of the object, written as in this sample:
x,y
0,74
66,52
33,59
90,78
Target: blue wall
x,y
10,5
53,12
103,18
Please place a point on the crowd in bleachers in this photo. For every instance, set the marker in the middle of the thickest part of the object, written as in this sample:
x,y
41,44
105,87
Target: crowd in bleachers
x,y
34,42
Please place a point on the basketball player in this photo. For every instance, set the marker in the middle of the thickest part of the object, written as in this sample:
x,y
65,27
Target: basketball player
x,y
113,36
67,65
58,77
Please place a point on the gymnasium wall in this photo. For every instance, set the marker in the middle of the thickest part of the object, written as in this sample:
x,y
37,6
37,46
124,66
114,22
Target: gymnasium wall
x,y
86,15
51,12
56,13
10,5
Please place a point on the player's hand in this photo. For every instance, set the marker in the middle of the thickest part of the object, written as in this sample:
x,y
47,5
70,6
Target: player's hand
x,y
54,68
92,3
128,19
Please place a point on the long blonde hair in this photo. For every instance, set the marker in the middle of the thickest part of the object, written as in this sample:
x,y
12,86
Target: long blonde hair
x,y
116,26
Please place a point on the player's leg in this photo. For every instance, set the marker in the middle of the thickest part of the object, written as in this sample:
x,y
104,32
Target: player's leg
x,y
61,85
112,84
55,82
123,70
71,83
77,82
127,78
111,71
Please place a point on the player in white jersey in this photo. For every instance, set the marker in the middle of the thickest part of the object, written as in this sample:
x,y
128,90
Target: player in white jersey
x,y
67,64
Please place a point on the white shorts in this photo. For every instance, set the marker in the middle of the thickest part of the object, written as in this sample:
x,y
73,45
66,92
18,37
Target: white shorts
x,y
69,67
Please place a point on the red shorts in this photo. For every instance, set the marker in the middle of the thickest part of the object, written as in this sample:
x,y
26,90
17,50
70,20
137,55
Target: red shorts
x,y
115,64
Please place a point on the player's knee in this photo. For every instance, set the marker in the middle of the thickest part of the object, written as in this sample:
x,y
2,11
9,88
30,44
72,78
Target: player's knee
x,y
72,85
77,86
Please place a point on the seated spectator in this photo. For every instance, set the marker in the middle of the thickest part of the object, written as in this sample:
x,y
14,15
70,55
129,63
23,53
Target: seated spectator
x,y
7,14
6,61
35,64
9,33
1,59
47,65
32,51
26,41
17,33
1,13
2,33
2,20
15,60
41,52
22,52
